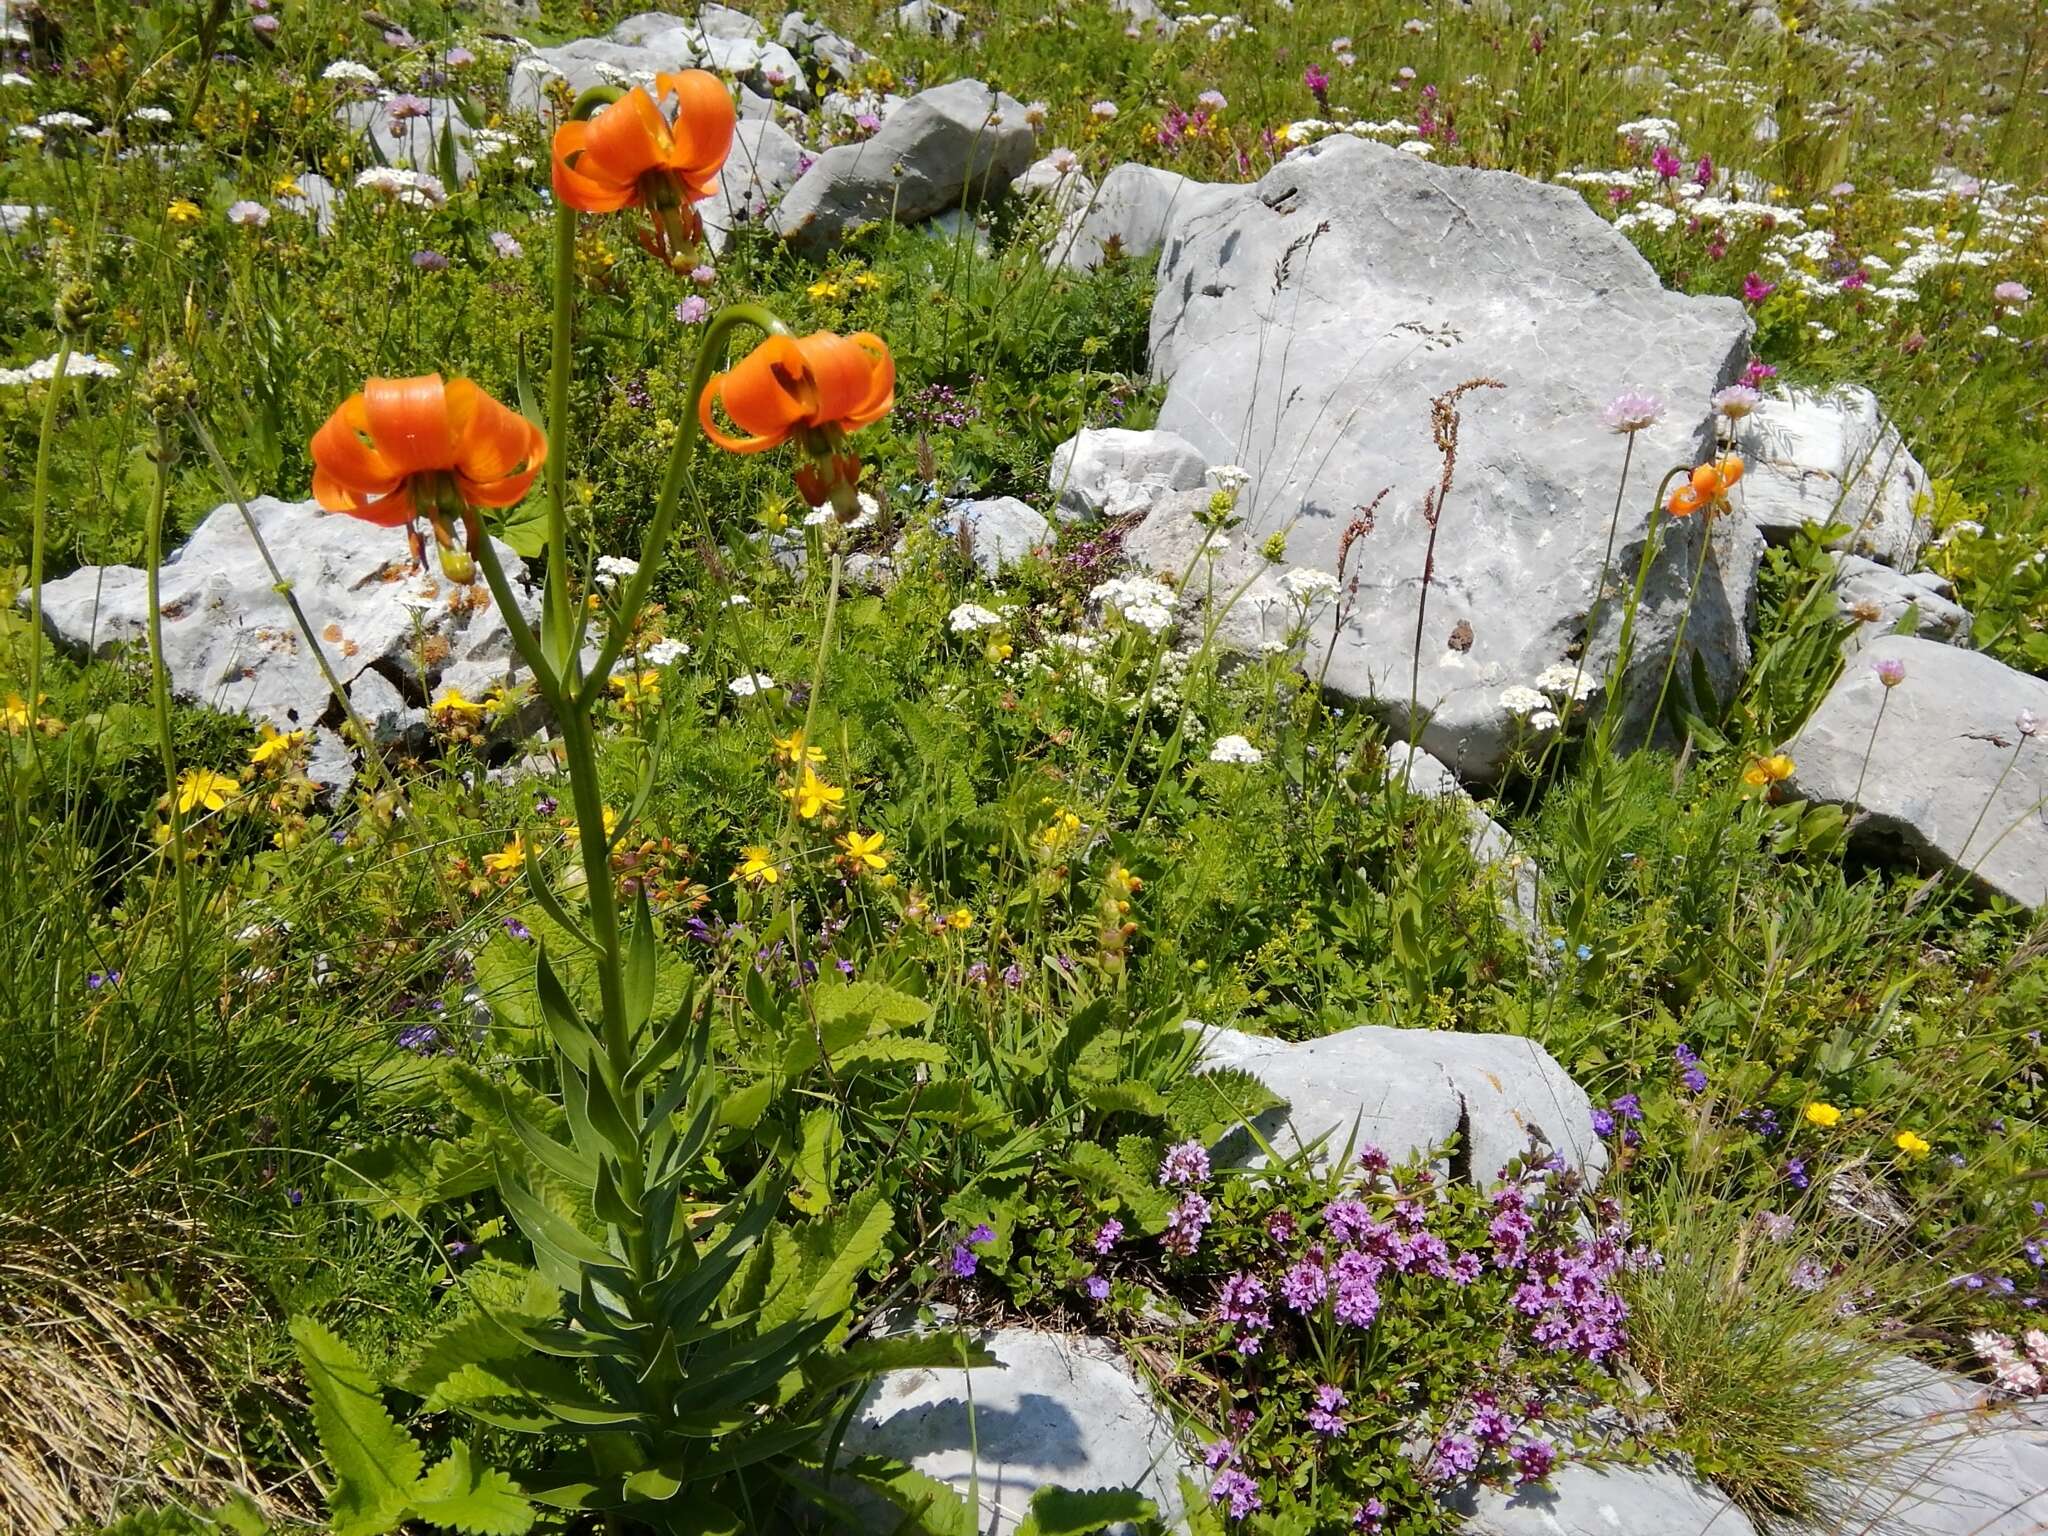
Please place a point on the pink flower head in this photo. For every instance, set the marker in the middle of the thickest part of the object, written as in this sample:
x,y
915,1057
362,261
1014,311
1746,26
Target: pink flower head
x,y
1890,670
1755,290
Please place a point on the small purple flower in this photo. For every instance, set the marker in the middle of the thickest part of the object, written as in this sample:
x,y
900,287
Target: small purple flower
x,y
1703,173
1185,1225
1807,1275
1358,1297
1243,1301
1691,1073
1890,670
1666,164
99,979
1325,1414
1467,1268
1372,1160
1534,1460
1857,279
1755,290
544,805
295,1198
1280,1226
1096,1287
458,57
1603,1123
964,1261
404,107
430,261
1367,1516
1455,1457
982,1234
507,248
517,929
1107,1234
266,26
1795,1173
1185,1163
1304,1286
2011,293
692,310
424,1039
1240,1491
1013,975
1490,1426
1627,1107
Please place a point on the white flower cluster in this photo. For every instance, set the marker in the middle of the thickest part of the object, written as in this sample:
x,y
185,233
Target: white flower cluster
x,y
349,72
664,652
1308,129
1566,678
487,142
81,365
157,115
415,188
1650,130
1521,699
1137,600
1309,587
612,569
969,617
749,684
65,122
1235,749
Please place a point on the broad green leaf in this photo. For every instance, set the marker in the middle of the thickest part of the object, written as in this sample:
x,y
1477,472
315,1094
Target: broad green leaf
x,y
375,1462
403,1175
859,1236
1059,1511
477,1500
817,1160
934,1508
640,956
870,1000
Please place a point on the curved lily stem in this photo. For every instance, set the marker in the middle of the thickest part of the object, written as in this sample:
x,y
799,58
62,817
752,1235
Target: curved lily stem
x,y
160,696
524,640
38,520
559,368
662,525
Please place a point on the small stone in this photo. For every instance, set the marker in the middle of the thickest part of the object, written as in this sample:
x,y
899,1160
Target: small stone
x,y
1088,466
1000,531
1819,458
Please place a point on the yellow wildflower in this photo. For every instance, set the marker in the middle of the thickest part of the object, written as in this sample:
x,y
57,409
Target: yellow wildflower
x,y
454,701
285,186
959,919
14,714
203,787
867,282
1763,771
864,851
1823,1115
825,288
792,749
508,860
635,689
275,744
611,825
1060,830
999,650
757,865
1911,1145
812,794
184,211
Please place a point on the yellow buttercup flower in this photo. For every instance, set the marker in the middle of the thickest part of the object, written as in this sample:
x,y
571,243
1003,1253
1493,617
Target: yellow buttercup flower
x,y
1764,771
611,825
275,744
757,865
636,688
508,860
792,750
999,650
184,211
454,701
14,714
203,787
824,288
286,186
1823,1115
813,795
1911,1145
867,282
864,851
959,919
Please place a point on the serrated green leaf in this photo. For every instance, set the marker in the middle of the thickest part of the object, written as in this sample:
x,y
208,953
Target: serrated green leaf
x,y
890,1050
933,1507
1126,1098
375,1462
466,1497
870,1000
404,1175
1204,1105
816,1161
1059,1511
858,1237
900,1352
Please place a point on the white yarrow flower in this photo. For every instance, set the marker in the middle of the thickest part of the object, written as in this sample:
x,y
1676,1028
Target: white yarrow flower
x,y
969,617
1235,749
752,683
1520,699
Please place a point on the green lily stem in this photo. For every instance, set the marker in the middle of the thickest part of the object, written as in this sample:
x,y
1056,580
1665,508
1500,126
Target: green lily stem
x,y
1624,649
160,693
1692,593
373,763
38,517
559,367
825,635
662,525
524,640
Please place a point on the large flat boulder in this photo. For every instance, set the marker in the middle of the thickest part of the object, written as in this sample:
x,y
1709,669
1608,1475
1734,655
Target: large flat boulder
x,y
1660,1499
765,162
1820,457
1062,1410
1133,214
1302,326
1409,1091
640,47
399,634
960,142
1949,779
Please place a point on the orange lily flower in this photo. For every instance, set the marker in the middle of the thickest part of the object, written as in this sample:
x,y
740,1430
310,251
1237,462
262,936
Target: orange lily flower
x,y
404,449
658,150
1707,489
816,389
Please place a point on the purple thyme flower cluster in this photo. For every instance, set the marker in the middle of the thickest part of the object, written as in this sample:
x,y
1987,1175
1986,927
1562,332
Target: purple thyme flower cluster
x,y
1487,1439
